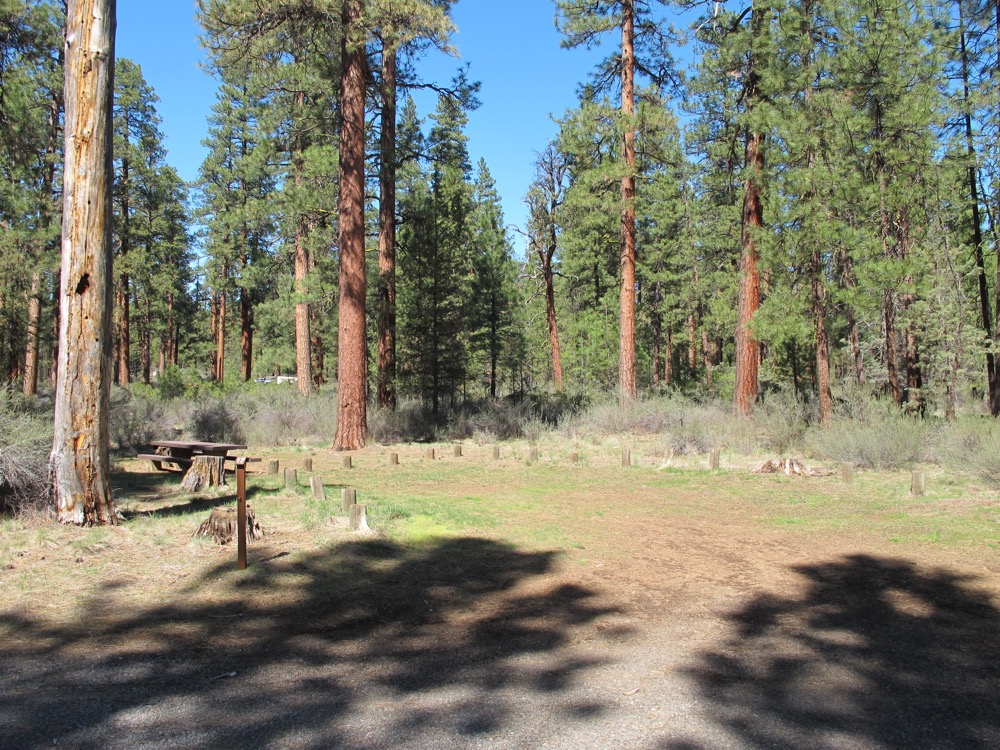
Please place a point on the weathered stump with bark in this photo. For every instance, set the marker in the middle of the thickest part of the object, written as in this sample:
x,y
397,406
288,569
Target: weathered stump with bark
x,y
205,471
221,526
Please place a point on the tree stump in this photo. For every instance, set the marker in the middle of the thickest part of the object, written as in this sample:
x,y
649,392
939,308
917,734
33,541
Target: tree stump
x,y
574,458
348,462
359,518
918,483
430,454
713,459
316,482
205,471
458,451
272,466
348,497
221,526
307,464
291,478
393,459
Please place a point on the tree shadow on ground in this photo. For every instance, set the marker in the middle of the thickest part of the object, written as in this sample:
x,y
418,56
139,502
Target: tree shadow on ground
x,y
195,504
364,645
876,653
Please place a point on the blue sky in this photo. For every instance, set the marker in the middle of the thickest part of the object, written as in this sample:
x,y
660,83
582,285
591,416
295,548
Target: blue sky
x,y
512,47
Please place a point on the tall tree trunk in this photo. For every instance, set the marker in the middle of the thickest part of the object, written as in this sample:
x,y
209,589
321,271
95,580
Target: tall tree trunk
x,y
822,341
79,463
303,334
546,256
747,346
352,416
123,292
972,174
220,341
626,319
145,341
214,327
171,357
246,335
124,327
387,236
30,383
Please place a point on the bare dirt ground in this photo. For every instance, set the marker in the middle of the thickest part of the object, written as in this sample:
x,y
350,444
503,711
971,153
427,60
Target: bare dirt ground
x,y
672,623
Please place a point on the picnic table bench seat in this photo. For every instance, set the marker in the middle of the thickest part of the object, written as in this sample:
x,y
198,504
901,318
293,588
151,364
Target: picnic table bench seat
x,y
159,459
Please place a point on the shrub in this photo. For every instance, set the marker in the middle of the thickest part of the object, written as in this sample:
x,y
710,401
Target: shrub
x,y
971,446
25,443
889,442
135,418
214,421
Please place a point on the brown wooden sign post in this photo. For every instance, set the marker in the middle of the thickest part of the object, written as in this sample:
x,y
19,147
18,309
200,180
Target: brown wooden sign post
x,y
241,511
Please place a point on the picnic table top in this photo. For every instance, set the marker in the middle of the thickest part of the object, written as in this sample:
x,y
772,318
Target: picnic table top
x,y
198,446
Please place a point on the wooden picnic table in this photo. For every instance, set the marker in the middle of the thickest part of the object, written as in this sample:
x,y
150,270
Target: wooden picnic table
x,y
183,452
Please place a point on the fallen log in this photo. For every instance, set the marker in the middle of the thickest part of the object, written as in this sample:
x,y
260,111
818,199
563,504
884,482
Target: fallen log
x,y
788,466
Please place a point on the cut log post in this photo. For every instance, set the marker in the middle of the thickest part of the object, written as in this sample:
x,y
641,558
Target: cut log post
x,y
574,458
316,482
458,451
496,452
626,456
348,497
272,466
222,524
847,471
918,483
393,459
713,459
430,454
348,462
205,471
307,465
359,518
291,478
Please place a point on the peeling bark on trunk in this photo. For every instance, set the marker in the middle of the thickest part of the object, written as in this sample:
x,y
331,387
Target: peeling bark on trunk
x,y
626,319
387,237
246,335
79,463
747,348
220,341
352,417
30,384
303,334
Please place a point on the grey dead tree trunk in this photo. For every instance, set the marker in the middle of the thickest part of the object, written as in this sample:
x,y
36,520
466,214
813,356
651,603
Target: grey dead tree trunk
x,y
79,464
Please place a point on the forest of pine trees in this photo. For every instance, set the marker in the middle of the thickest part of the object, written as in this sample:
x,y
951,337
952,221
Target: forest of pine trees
x,y
793,195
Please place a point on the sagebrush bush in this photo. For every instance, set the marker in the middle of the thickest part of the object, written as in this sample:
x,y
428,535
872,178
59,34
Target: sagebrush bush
x,y
214,421
888,442
782,420
278,414
412,421
136,418
971,446
25,444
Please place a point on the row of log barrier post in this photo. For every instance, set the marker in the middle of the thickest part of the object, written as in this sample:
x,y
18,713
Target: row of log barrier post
x,y
357,513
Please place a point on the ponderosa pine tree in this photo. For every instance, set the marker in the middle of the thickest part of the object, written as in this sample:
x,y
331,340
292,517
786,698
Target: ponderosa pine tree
x,y
583,23
31,72
401,29
80,462
139,156
352,365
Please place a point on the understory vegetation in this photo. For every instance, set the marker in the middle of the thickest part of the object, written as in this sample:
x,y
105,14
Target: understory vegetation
x,y
868,431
